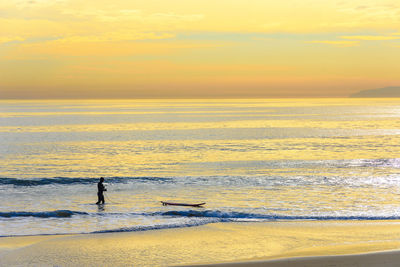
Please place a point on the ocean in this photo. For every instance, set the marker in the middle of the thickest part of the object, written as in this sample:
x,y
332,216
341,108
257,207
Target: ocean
x,y
256,160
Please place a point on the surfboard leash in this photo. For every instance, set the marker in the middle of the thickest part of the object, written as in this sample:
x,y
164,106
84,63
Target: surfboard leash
x,y
110,199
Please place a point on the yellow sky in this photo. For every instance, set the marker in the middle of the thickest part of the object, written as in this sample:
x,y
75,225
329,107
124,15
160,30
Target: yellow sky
x,y
191,48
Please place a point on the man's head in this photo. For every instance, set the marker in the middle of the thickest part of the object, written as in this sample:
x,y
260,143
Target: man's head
x,y
101,179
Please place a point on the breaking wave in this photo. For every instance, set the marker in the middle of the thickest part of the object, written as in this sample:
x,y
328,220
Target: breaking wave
x,y
217,215
42,214
269,217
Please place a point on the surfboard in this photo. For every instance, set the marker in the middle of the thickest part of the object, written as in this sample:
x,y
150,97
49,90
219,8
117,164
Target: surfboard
x,y
164,203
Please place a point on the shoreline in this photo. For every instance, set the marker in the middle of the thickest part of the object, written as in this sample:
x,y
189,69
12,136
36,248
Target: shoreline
x,y
370,259
217,244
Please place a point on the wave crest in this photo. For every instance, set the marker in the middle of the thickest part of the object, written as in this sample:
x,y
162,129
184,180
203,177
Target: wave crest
x,y
269,217
42,214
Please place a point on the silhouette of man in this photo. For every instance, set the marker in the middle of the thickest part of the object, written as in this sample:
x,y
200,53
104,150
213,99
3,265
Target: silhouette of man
x,y
100,190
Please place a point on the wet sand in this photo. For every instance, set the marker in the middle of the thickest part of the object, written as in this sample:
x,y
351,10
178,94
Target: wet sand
x,y
228,244
375,259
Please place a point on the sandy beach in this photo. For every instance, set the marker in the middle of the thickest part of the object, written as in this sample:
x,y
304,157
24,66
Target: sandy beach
x,y
227,244
385,258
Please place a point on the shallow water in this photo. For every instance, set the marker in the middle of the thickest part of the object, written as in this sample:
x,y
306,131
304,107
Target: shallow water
x,y
249,160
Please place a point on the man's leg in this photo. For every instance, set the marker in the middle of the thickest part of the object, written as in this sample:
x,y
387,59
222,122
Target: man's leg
x,y
98,198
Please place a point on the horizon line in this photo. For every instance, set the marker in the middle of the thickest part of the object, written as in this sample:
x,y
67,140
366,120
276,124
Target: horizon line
x,y
190,98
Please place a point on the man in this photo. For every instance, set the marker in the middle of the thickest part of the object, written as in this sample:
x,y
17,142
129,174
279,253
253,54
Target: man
x,y
100,190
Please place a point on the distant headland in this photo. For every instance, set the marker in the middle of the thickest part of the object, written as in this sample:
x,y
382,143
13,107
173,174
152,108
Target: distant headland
x,y
393,91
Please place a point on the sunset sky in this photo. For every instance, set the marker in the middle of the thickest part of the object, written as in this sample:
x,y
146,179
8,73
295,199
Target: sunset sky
x,y
192,48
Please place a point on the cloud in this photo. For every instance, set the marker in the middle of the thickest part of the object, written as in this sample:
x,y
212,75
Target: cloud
x,y
36,3
336,43
115,37
90,25
7,39
370,37
133,15
372,11
354,40
190,17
